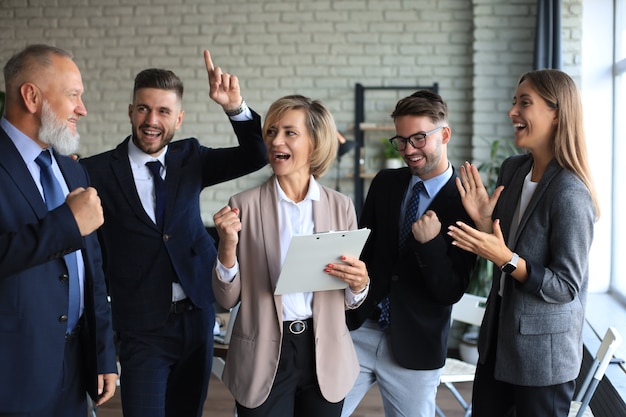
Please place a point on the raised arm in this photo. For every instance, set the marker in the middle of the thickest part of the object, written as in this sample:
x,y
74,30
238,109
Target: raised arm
x,y
223,87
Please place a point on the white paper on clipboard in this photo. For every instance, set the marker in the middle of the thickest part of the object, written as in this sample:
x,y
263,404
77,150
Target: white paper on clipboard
x,y
307,256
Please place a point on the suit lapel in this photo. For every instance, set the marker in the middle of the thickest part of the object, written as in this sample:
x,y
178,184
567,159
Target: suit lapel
x,y
321,210
269,208
551,172
510,202
120,167
16,169
268,204
396,192
173,162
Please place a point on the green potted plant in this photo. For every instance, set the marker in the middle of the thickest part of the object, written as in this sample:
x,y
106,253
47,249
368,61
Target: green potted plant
x,y
391,157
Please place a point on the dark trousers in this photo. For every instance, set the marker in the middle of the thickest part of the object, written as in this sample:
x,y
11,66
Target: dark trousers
x,y
295,392
71,400
166,372
493,398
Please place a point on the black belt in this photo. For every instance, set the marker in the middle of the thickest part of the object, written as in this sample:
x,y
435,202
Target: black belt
x,y
298,326
181,306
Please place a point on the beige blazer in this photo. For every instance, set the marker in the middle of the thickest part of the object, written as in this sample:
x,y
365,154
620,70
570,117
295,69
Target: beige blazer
x,y
255,346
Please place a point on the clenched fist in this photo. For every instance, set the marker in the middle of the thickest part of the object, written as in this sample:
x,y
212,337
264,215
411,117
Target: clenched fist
x,y
86,208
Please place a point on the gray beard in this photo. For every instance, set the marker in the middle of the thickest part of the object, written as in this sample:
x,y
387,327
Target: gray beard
x,y
56,133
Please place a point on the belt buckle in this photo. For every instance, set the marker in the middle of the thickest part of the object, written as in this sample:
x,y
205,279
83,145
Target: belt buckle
x,y
297,327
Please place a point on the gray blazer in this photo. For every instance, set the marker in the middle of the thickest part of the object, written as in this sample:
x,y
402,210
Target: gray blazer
x,y
539,328
254,350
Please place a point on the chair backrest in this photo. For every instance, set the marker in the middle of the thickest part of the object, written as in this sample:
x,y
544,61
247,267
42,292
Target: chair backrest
x,y
469,309
610,343
231,323
224,338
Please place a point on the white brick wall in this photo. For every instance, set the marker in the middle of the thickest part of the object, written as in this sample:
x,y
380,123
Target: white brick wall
x,y
475,50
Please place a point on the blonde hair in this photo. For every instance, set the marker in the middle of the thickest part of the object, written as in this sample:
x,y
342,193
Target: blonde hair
x,y
320,125
559,91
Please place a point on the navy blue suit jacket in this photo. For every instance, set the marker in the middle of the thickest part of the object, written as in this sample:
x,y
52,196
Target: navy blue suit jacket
x,y
141,260
424,282
34,293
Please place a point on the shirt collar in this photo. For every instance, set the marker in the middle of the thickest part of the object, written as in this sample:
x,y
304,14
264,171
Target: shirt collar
x,y
433,185
313,194
140,157
28,148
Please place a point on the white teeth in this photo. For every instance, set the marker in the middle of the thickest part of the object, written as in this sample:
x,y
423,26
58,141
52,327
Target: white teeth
x,y
519,125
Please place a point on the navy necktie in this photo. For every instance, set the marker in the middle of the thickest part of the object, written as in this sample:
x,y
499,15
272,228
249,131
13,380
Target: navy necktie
x,y
160,192
53,194
410,216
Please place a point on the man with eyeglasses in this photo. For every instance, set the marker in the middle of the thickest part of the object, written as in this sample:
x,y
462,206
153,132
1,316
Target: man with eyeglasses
x,y
401,330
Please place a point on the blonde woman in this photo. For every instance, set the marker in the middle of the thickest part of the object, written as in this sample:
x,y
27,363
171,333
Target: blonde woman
x,y
289,355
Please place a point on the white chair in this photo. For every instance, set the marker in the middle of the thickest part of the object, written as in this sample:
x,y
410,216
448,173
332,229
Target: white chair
x,y
220,348
580,405
469,309
223,339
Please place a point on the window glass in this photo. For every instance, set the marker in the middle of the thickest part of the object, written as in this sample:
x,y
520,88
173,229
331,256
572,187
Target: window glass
x,y
618,282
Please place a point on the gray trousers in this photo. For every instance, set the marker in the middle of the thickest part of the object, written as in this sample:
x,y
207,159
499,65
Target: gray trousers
x,y
405,392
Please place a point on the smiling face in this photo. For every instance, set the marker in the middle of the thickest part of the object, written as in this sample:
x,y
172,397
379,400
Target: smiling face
x,y
62,105
56,132
533,119
155,115
432,159
289,145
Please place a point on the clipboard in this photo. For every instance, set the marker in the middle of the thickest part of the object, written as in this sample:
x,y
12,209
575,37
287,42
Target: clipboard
x,y
303,270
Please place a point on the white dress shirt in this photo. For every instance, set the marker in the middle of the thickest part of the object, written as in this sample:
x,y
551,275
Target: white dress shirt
x,y
294,218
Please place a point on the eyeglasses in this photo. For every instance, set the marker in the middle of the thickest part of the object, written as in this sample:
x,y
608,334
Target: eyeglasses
x,y
417,140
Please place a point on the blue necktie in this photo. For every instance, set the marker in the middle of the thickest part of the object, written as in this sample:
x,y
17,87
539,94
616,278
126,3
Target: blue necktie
x,y
160,191
53,194
410,216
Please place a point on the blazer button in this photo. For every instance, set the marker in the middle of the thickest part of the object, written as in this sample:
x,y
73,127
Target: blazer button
x,y
394,277
63,318
64,278
166,237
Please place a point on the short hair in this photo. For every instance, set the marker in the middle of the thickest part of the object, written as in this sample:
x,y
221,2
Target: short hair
x,y
423,103
158,78
320,124
21,66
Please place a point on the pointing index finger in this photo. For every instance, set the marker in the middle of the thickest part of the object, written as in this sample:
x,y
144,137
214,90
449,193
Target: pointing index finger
x,y
207,60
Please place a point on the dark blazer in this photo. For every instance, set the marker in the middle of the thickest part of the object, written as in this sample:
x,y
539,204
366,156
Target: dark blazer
x,y
141,260
424,282
539,327
34,292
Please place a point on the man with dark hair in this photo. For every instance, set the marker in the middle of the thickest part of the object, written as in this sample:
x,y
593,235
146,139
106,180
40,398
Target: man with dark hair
x,y
400,331
158,254
56,341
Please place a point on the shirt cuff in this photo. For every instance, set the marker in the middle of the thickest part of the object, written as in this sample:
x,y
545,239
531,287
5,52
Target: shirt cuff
x,y
353,299
244,116
227,274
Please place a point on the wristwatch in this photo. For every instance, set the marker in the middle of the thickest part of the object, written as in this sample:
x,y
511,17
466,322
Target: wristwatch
x,y
511,265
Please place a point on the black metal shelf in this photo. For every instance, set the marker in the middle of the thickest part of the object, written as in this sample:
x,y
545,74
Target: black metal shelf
x,y
359,134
